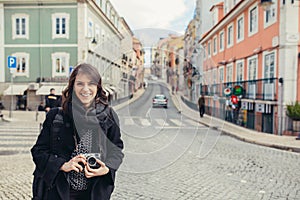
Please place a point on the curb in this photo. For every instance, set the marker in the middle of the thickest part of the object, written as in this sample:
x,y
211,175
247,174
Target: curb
x,y
226,132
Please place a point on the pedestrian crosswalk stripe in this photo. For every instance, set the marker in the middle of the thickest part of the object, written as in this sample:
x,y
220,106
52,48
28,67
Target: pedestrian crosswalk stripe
x,y
177,122
194,123
162,122
129,121
145,122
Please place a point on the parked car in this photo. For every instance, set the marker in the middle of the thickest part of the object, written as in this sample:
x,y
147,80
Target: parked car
x,y
160,100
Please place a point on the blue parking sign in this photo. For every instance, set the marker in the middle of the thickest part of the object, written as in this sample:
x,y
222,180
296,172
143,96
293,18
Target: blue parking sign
x,y
12,62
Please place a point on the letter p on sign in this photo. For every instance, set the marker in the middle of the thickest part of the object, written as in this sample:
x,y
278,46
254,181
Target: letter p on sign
x,y
11,62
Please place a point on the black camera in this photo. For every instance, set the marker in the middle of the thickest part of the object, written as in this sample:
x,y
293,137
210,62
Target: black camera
x,y
91,160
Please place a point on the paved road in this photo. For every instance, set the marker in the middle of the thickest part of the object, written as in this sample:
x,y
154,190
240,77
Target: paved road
x,y
16,167
182,160
168,156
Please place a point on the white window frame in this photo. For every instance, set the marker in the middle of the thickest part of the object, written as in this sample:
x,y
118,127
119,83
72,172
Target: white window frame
x,y
90,29
19,56
214,75
265,54
221,40
239,63
255,57
229,72
240,29
221,74
107,9
97,33
255,28
16,16
66,16
271,10
60,55
230,35
215,45
204,54
209,48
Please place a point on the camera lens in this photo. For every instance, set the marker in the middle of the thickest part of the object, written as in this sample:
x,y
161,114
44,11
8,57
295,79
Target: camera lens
x,y
91,161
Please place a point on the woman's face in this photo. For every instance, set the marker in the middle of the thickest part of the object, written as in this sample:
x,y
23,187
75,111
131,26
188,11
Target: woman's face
x,y
85,89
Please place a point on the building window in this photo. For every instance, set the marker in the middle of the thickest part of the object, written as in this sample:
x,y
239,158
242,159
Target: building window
x,y
252,68
204,53
97,33
270,15
99,3
240,29
240,71
221,44
60,25
209,49
214,72
60,63
229,73
221,72
215,45
269,65
229,35
253,20
20,25
107,9
90,29
22,64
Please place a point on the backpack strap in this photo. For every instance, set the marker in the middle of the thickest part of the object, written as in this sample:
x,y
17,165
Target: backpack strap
x,y
56,125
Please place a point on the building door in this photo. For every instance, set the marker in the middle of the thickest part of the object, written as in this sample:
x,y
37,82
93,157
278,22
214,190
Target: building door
x,y
267,120
250,119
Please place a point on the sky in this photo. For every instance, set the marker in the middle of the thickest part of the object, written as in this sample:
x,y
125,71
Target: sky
x,y
171,15
151,20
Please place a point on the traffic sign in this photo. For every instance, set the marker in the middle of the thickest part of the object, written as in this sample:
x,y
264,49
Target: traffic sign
x,y
238,90
11,62
71,68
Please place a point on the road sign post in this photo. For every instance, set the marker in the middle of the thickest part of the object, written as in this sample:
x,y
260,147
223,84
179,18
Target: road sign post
x,y
12,65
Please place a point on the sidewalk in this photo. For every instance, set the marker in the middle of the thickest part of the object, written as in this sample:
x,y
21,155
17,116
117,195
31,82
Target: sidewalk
x,y
288,143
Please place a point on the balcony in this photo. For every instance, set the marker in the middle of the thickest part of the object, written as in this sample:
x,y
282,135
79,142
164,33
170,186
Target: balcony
x,y
260,89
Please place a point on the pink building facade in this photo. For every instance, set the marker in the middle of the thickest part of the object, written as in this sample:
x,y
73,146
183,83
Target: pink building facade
x,y
257,49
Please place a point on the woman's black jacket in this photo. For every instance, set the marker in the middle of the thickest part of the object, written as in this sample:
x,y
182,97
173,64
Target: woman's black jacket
x,y
55,145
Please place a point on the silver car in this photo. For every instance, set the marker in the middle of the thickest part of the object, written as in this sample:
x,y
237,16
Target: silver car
x,y
160,100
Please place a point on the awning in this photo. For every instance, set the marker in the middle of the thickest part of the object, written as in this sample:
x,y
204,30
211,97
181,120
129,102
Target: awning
x,y
109,90
45,89
15,90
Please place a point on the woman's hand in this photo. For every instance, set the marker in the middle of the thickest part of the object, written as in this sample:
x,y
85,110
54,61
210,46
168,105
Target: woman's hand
x,y
77,164
102,170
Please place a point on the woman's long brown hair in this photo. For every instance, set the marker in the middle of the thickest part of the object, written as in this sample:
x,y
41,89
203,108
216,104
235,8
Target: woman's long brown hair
x,y
94,75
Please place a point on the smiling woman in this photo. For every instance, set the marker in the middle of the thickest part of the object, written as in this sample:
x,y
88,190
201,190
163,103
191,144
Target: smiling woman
x,y
85,89
86,128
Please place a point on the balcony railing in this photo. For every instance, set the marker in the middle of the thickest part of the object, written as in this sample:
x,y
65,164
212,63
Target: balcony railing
x,y
260,89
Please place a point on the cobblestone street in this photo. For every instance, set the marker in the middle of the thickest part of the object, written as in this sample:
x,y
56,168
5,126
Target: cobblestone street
x,y
16,178
232,170
243,171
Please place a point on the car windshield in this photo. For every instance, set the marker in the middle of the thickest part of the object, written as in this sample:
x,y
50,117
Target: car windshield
x,y
160,97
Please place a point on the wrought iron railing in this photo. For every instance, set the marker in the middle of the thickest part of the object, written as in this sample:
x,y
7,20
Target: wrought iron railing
x,y
260,89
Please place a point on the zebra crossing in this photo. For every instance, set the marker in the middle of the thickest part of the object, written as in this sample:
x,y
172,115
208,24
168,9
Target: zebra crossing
x,y
17,138
160,122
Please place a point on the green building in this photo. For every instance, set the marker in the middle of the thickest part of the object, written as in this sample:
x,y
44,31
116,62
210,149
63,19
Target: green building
x,y
50,37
